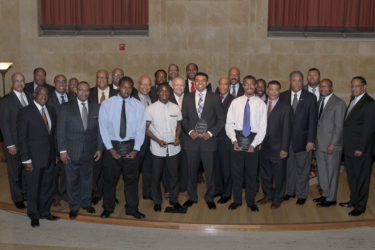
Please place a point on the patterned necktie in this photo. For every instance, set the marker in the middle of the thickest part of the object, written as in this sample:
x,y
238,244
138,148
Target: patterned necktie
x,y
180,103
200,105
123,121
62,99
321,108
246,120
233,90
23,102
45,120
269,107
295,103
351,106
192,89
84,115
102,98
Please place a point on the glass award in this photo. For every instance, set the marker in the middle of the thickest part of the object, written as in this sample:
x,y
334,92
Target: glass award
x,y
244,142
201,126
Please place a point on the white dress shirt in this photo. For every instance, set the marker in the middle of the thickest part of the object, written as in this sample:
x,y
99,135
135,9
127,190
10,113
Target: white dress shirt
x,y
80,106
144,99
316,93
163,120
58,95
258,118
106,93
18,94
179,99
326,99
292,96
236,88
204,92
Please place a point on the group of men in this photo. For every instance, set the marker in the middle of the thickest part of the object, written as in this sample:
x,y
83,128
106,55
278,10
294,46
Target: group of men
x,y
70,142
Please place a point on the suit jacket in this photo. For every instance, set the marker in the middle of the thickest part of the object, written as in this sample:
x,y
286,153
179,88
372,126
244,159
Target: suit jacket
x,y
93,97
359,127
29,88
225,105
55,103
34,141
213,113
305,119
279,130
186,91
71,136
330,124
9,107
240,91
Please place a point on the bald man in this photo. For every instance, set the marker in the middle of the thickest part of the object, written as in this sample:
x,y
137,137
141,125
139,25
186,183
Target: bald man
x,y
9,107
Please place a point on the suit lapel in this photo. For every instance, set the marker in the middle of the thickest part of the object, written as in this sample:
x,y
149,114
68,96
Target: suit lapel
x,y
301,100
357,106
16,100
205,102
39,117
327,105
77,113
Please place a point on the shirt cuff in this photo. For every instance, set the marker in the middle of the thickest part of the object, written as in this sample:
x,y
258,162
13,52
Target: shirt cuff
x,y
190,131
209,133
27,162
11,146
64,151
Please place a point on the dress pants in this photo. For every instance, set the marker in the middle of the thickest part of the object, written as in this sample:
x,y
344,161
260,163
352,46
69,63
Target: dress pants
x,y
16,176
79,183
297,173
97,179
328,168
272,173
111,173
60,182
41,188
244,164
159,166
145,162
358,170
193,159
223,180
182,171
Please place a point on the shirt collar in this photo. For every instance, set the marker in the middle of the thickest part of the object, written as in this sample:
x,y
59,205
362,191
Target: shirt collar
x,y
39,106
203,92
357,98
18,93
85,102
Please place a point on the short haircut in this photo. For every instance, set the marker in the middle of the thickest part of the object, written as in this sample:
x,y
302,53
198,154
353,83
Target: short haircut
x,y
328,80
314,69
194,64
39,88
83,82
160,70
74,79
105,71
40,68
361,78
178,69
261,80
295,72
274,82
163,85
125,79
201,74
249,77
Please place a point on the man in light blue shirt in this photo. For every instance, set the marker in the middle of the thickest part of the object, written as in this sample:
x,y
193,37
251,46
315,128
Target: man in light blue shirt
x,y
122,124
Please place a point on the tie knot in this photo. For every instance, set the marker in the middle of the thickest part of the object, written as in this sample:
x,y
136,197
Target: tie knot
x,y
313,90
295,95
83,104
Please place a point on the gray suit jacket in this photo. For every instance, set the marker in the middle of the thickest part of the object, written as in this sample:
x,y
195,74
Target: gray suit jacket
x,y
330,124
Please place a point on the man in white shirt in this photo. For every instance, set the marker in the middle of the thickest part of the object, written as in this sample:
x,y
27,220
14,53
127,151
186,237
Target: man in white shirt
x,y
246,127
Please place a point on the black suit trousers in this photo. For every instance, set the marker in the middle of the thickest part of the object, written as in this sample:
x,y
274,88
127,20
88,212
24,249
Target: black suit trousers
x,y
97,180
16,176
60,180
145,162
223,180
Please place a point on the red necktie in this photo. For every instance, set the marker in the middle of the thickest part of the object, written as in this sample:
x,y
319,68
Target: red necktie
x,y
269,106
192,87
221,98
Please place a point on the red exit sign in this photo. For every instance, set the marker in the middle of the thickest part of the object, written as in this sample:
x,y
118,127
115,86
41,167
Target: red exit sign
x,y
122,46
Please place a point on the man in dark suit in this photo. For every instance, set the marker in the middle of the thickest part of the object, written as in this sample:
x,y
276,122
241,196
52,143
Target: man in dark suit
x,y
260,89
173,72
160,78
191,72
358,141
39,80
275,147
223,181
9,107
313,81
305,118
235,88
117,74
203,118
98,95
72,87
79,144
36,126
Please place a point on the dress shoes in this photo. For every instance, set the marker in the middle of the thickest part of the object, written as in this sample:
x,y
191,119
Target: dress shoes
x,y
73,214
50,217
253,207
34,223
275,204
234,206
95,201
90,209
346,204
356,212
176,205
263,201
211,205
300,201
20,205
157,207
320,199
217,195
105,214
287,197
223,200
136,214
188,203
326,203
147,197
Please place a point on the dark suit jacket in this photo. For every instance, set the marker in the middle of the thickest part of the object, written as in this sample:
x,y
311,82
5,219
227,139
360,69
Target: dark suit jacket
x,y
225,105
54,102
209,88
279,130
359,127
240,91
213,113
305,119
34,141
9,107
93,97
71,137
29,88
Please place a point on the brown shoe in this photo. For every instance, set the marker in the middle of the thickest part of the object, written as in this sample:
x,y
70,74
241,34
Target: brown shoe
x,y
263,201
56,203
275,204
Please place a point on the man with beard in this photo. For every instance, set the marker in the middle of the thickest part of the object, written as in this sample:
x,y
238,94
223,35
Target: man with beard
x,y
313,80
260,89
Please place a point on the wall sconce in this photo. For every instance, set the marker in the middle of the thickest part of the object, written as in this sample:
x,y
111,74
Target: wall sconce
x,y
4,67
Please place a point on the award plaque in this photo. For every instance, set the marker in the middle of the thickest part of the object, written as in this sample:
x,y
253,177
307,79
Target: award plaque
x,y
201,126
244,142
123,148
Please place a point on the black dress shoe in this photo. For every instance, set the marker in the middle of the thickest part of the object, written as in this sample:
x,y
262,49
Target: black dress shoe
x,y
253,207
217,195
95,201
356,212
287,197
211,205
50,217
223,200
346,204
300,201
188,203
73,214
263,201
157,207
326,203
320,199
234,206
90,210
105,214
34,222
175,205
116,201
136,214
20,205
275,204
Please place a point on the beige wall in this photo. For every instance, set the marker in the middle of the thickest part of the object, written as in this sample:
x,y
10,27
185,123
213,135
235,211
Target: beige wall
x,y
216,34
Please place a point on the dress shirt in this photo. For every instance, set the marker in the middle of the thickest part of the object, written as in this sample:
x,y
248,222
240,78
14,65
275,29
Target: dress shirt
x,y
106,93
317,94
163,120
326,99
236,87
80,106
170,83
273,102
292,96
224,96
144,99
18,94
179,98
58,95
204,92
258,118
263,97
357,98
35,86
189,84
114,86
110,118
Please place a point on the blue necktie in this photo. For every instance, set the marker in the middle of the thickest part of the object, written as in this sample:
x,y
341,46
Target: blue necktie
x,y
246,120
